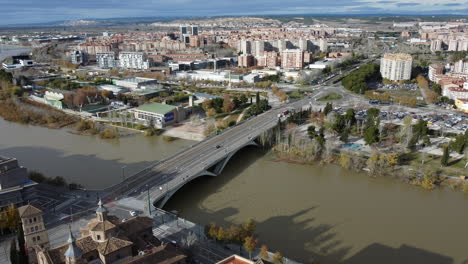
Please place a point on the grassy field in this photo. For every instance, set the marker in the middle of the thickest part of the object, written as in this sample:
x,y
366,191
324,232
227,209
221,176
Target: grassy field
x,y
432,163
330,97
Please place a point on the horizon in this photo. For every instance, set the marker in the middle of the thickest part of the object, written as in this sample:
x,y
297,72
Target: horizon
x,y
53,11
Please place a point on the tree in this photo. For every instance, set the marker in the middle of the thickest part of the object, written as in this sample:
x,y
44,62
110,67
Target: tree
x,y
11,217
371,135
249,226
250,243
257,98
278,258
328,108
228,104
13,252
264,252
446,156
22,255
311,132
350,117
458,145
345,135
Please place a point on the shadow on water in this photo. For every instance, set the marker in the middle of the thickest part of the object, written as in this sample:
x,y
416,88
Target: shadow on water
x,y
87,170
297,235
378,253
202,187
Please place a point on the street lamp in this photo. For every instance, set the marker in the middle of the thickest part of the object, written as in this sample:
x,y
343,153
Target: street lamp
x,y
123,172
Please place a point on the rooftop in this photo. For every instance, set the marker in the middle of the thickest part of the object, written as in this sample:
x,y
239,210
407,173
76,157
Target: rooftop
x,y
397,56
156,108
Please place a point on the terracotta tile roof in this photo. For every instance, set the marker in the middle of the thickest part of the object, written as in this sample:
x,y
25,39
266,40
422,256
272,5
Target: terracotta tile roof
x,y
28,210
101,226
86,244
113,244
164,254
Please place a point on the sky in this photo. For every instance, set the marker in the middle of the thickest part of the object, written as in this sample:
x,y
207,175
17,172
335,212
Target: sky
x,y
42,11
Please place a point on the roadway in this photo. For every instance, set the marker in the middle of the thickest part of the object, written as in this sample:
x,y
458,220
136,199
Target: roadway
x,y
179,169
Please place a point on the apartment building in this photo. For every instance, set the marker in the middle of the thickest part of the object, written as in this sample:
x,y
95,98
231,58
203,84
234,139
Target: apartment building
x,y
292,58
396,66
106,60
133,60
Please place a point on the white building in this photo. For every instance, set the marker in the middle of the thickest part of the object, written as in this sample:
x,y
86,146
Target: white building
x,y
323,45
436,45
135,83
106,60
396,66
461,66
259,48
245,47
133,60
453,45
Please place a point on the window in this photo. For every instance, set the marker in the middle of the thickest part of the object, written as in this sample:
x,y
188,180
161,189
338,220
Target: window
x,y
32,229
36,228
34,239
38,238
98,237
30,220
35,219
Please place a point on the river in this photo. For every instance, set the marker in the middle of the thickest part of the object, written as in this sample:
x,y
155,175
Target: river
x,y
305,211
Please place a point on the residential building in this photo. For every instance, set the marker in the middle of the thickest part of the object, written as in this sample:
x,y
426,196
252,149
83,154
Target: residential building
x,y
435,69
133,60
436,45
158,115
194,30
461,66
462,104
183,31
35,233
269,59
323,45
107,239
259,48
453,45
245,47
77,57
246,61
106,60
292,58
282,45
396,66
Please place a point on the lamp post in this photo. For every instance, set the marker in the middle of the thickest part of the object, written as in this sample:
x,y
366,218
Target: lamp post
x,y
149,201
123,172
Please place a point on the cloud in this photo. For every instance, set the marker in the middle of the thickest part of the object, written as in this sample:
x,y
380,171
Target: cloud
x,y
34,11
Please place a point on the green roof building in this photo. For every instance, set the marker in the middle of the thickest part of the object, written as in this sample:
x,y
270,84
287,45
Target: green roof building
x,y
158,115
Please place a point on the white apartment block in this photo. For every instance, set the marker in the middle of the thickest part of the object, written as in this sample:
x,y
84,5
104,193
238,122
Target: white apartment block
x,y
106,60
259,48
396,66
133,60
461,66
245,46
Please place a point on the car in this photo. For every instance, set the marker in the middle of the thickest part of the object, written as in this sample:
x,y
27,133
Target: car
x,y
133,213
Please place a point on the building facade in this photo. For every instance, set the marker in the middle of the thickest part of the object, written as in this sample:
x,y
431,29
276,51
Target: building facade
x,y
396,66
106,60
133,60
292,58
35,233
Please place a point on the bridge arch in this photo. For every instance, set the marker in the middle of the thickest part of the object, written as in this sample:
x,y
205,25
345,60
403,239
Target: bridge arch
x,y
218,169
